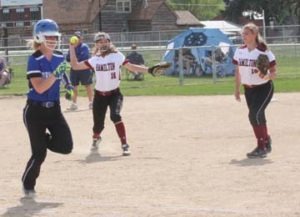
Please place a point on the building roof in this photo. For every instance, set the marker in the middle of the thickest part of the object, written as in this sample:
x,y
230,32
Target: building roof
x,y
72,11
186,18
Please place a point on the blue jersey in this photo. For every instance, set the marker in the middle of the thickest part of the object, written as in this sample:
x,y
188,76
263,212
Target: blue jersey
x,y
82,53
39,66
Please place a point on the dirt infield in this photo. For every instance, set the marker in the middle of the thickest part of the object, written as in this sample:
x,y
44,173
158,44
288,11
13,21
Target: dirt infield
x,y
188,160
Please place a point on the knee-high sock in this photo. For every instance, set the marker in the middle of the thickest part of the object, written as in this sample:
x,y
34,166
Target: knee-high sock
x,y
121,132
261,135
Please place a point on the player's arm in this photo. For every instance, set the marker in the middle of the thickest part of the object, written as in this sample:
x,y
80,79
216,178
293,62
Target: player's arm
x,y
41,84
135,68
237,84
273,73
74,62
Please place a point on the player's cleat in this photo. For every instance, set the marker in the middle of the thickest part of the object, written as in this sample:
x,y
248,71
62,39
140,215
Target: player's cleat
x,y
29,193
269,145
257,153
95,144
73,107
125,148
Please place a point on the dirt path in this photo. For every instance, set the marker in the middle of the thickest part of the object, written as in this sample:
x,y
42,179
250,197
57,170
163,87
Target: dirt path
x,y
188,160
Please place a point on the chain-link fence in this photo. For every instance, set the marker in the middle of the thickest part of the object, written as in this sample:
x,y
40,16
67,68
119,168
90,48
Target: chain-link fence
x,y
213,66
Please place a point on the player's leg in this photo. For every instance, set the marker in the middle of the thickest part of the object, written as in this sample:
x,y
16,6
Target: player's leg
x,y
258,99
75,82
100,105
86,79
36,130
60,140
115,106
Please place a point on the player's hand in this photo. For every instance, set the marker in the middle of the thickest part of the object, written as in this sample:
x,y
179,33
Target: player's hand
x,y
60,70
69,92
237,95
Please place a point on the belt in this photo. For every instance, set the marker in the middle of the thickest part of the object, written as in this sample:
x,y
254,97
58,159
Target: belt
x,y
250,86
107,93
48,104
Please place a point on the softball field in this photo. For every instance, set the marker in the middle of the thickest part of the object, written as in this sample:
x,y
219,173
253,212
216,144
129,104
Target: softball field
x,y
188,160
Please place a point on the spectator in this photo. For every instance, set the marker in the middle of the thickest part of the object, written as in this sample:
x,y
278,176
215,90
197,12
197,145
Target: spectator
x,y
136,58
5,74
85,77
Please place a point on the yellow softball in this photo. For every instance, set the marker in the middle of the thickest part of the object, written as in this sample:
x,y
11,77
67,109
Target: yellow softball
x,y
73,40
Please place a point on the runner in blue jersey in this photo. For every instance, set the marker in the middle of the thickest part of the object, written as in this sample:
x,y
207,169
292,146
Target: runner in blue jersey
x,y
45,123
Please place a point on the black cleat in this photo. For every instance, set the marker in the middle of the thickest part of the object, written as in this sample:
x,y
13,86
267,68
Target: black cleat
x,y
269,145
257,153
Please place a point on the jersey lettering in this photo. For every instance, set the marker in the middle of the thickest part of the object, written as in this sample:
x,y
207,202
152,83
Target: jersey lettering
x,y
105,67
246,62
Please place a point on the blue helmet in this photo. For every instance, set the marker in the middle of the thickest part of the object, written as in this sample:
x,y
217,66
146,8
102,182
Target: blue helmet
x,y
45,27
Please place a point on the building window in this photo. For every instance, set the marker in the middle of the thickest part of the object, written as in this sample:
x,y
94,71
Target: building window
x,y
5,11
5,14
20,10
19,24
123,6
34,9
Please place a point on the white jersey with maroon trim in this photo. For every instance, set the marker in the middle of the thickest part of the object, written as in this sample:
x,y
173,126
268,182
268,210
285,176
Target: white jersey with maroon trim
x,y
246,62
107,70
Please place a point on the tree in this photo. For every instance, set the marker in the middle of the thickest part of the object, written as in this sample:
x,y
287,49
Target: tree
x,y
202,9
278,10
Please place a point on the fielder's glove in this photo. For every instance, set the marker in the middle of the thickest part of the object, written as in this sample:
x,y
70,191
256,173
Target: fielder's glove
x,y
263,64
158,68
60,70
69,92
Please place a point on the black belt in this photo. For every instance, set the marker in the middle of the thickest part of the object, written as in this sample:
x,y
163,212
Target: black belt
x,y
250,86
107,93
48,104
254,85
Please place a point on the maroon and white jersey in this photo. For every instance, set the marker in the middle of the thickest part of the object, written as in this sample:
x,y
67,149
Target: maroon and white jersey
x,y
246,62
107,70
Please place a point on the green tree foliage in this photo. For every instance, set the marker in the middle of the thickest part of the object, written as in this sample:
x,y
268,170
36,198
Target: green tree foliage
x,y
202,9
278,10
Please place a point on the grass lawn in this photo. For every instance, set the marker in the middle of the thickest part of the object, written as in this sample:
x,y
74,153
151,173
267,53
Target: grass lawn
x,y
288,81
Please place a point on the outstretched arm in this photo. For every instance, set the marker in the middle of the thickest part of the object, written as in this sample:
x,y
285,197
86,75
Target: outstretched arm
x,y
136,68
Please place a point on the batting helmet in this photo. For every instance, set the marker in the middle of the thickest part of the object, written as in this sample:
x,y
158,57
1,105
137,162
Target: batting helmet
x,y
45,27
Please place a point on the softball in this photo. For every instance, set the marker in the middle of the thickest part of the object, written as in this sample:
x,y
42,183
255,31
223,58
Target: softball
x,y
73,40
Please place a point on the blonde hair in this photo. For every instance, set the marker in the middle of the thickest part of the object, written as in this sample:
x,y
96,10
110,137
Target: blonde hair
x,y
33,44
255,29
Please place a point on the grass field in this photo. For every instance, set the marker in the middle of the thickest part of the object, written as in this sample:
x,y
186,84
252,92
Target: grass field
x,y
288,81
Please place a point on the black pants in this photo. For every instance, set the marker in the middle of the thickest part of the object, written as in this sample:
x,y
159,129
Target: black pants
x,y
258,98
38,120
100,104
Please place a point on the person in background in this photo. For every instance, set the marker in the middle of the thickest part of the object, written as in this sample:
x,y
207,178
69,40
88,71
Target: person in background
x,y
136,58
42,116
83,77
258,88
5,73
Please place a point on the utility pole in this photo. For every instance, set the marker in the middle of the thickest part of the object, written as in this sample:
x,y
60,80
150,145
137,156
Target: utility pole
x,y
100,17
